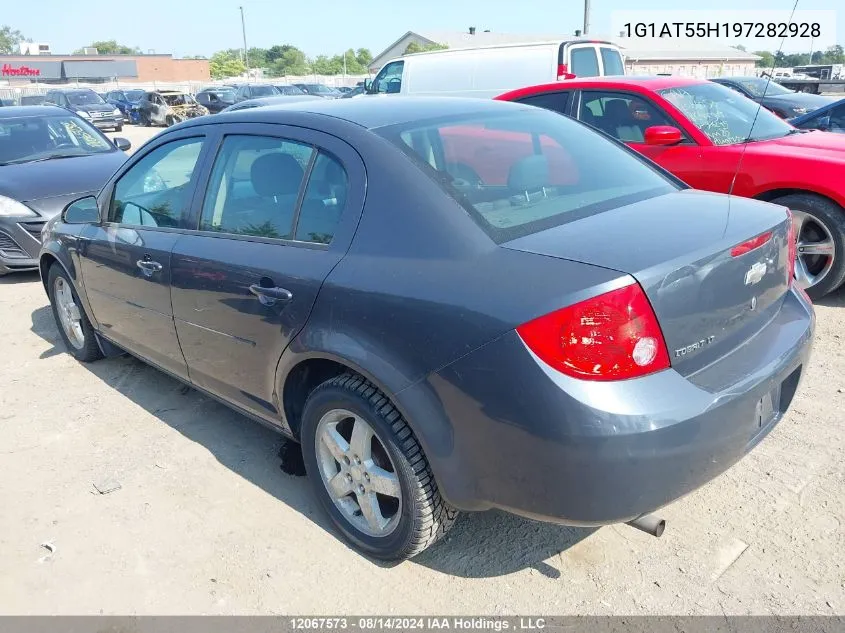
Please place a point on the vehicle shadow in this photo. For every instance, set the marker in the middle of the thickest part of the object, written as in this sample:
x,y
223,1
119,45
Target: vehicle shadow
x,y
20,278
835,299
480,545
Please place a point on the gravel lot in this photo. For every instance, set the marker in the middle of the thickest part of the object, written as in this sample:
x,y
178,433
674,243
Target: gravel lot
x,y
205,521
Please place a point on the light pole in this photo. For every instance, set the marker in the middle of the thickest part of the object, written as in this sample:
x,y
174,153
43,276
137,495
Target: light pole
x,y
586,16
246,50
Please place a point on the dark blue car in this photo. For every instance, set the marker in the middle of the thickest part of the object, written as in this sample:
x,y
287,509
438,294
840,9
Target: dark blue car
x,y
830,118
451,304
127,102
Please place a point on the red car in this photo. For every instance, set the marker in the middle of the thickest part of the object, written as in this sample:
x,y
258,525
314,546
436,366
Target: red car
x,y
718,140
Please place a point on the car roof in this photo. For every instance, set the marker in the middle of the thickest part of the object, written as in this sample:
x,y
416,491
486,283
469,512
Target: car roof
x,y
31,110
70,90
646,82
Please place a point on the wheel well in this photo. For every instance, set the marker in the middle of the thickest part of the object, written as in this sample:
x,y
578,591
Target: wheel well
x,y
301,381
768,196
44,265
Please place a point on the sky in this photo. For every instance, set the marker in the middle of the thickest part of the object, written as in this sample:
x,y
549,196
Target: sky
x,y
331,26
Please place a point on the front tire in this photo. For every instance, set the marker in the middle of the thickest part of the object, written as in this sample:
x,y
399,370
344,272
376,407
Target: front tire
x,y
369,472
74,327
820,230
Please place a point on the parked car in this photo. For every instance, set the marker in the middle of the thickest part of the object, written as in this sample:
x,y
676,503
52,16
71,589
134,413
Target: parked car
x,y
343,89
216,99
702,133
27,100
357,91
254,91
829,118
551,338
491,70
88,105
127,102
289,90
48,157
269,101
782,101
168,107
318,90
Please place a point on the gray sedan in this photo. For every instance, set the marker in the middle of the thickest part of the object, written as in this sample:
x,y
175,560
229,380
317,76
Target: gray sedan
x,y
452,304
48,157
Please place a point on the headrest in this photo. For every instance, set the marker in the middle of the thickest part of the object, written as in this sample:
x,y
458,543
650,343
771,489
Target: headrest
x,y
617,108
529,173
276,174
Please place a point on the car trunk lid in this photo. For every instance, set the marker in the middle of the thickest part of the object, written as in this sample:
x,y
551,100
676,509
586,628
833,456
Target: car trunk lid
x,y
710,288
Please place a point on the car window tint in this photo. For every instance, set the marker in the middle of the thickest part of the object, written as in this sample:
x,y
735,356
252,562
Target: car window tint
x,y
837,119
390,78
612,61
254,186
622,116
325,198
554,101
584,62
155,191
528,170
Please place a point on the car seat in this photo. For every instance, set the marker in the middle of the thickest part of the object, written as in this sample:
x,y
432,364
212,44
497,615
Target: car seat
x,y
324,202
276,179
619,122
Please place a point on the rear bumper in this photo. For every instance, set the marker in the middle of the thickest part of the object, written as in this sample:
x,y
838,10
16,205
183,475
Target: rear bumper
x,y
536,443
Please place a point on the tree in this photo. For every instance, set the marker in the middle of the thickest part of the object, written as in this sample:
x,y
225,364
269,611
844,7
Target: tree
x,y
110,47
364,57
224,64
834,55
257,57
767,60
9,40
415,47
740,47
285,59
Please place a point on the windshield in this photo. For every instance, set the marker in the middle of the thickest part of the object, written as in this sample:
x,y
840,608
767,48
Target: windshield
x,y
319,89
133,96
24,139
520,172
725,116
84,98
289,90
227,96
264,91
760,87
179,99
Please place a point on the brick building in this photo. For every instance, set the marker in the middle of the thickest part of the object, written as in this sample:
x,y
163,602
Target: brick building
x,y
18,70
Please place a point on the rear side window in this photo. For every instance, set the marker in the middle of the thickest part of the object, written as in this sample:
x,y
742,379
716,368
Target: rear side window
x,y
528,170
554,101
612,61
583,62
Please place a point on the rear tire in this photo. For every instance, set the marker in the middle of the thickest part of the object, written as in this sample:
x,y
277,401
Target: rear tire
x,y
119,128
824,224
420,515
74,327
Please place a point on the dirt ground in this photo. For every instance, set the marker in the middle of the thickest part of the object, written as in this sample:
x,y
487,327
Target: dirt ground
x,y
205,522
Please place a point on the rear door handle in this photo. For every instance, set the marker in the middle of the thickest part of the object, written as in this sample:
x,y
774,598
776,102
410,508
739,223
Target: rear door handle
x,y
269,296
148,267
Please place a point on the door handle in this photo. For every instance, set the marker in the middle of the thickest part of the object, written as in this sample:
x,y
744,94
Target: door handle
x,y
269,296
148,267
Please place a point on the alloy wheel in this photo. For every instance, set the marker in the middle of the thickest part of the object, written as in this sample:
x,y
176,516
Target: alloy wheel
x,y
69,314
815,252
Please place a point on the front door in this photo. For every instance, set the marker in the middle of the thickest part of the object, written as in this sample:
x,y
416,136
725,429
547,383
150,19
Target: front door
x,y
626,116
280,208
126,259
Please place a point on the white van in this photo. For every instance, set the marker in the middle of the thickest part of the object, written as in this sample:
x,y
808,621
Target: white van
x,y
491,70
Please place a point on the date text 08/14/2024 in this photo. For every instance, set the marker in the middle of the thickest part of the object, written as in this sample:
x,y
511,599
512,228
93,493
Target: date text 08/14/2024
x,y
723,29
458,623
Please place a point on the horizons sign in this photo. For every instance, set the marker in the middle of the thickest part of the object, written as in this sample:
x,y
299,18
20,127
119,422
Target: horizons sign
x,y
21,71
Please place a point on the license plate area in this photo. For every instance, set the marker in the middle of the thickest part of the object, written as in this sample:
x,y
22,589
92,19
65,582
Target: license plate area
x,y
767,409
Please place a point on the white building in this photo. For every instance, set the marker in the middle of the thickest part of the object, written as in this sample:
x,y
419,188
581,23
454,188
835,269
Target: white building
x,y
34,48
643,56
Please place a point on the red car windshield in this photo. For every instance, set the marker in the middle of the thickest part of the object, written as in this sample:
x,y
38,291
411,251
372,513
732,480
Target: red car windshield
x,y
725,116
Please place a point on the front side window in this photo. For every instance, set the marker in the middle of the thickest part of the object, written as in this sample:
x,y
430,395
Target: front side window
x,y
254,187
584,62
27,139
724,116
621,115
521,172
611,59
389,80
155,192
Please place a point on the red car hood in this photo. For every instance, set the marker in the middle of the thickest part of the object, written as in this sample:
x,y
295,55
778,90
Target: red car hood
x,y
819,146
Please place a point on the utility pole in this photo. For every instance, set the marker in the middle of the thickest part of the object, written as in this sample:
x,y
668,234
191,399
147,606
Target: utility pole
x,y
344,64
586,16
246,50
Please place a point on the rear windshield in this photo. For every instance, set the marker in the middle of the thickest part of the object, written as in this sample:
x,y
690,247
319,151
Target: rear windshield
x,y
525,171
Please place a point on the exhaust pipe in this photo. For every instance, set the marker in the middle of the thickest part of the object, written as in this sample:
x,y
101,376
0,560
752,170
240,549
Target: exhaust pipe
x,y
649,524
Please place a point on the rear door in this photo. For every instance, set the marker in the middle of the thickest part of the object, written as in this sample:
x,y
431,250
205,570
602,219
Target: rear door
x,y
125,260
280,207
625,116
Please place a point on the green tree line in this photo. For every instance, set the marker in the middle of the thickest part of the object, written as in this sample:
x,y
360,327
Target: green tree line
x,y
285,59
831,55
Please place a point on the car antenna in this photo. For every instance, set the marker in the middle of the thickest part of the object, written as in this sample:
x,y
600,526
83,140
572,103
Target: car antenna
x,y
760,106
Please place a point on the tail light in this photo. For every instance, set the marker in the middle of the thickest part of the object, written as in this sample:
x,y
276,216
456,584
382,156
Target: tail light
x,y
614,336
792,248
563,72
753,244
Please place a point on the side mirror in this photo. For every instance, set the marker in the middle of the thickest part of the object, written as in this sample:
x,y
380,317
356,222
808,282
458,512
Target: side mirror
x,y
122,144
82,211
662,135
368,85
